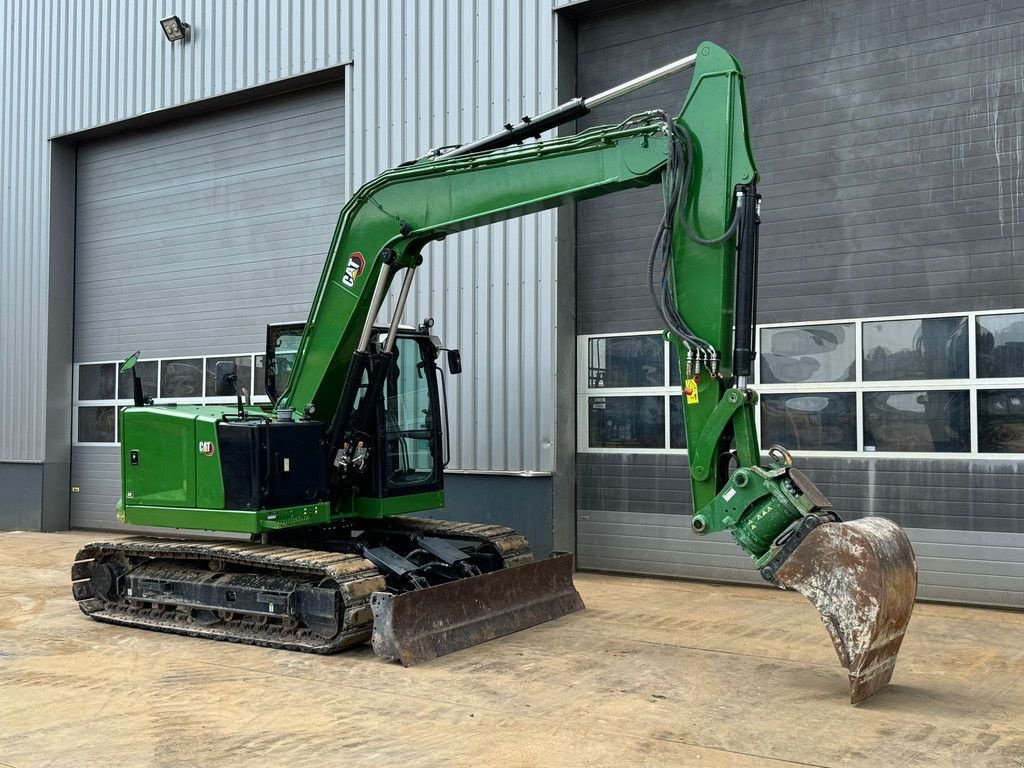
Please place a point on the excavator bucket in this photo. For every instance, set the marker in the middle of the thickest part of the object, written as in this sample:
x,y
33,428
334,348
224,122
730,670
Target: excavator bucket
x,y
862,578
417,626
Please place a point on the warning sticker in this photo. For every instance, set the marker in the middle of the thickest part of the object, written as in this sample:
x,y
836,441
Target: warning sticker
x,y
690,390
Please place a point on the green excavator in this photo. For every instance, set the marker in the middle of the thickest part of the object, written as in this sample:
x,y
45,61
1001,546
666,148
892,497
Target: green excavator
x,y
323,479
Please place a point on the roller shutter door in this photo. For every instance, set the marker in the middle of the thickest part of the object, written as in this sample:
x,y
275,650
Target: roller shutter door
x,y
190,238
844,103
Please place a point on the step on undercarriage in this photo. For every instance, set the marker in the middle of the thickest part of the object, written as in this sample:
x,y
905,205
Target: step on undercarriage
x,y
311,590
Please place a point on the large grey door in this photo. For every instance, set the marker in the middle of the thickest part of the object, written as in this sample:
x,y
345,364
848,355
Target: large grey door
x,y
190,238
881,167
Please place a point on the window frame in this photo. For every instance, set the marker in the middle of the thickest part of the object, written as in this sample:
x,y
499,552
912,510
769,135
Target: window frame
x,y
120,402
584,392
971,385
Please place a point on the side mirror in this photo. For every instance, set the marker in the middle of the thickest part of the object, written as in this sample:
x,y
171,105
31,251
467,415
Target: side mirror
x,y
227,378
454,362
130,362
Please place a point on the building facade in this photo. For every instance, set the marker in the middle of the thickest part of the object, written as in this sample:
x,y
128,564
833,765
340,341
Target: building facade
x,y
177,197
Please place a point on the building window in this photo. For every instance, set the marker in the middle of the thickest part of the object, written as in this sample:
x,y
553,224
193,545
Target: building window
x,y
925,421
627,422
808,353
96,424
181,378
906,350
913,389
626,361
1000,346
628,401
939,385
810,421
677,428
96,382
1001,420
100,391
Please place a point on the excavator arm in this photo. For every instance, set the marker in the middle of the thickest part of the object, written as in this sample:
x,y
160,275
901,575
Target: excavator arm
x,y
703,270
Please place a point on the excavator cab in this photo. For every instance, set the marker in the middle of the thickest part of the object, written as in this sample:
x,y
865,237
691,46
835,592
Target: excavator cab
x,y
408,416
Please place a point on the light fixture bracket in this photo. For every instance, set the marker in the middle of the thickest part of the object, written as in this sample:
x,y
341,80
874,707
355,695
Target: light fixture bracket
x,y
175,29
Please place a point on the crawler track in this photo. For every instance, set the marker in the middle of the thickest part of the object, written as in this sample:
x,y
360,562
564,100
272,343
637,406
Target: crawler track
x,y
342,582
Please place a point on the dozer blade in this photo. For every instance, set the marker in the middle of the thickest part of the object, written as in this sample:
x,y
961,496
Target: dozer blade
x,y
417,626
862,578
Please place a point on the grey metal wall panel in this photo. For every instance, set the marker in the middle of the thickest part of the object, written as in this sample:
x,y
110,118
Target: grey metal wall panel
x,y
965,569
981,495
888,138
423,74
192,236
524,503
951,495
96,474
21,484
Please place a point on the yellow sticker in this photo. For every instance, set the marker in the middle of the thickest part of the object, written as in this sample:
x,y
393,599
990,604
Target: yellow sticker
x,y
690,390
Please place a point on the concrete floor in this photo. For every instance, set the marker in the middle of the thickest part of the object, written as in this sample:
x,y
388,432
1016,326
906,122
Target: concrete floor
x,y
653,673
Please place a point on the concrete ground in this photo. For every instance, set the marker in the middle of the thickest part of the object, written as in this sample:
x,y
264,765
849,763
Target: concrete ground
x,y
653,673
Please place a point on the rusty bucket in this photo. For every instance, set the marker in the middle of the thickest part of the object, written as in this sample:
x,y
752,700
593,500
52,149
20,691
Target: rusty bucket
x,y
862,577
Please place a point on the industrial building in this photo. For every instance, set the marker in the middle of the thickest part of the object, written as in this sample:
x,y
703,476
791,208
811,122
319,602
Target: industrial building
x,y
175,197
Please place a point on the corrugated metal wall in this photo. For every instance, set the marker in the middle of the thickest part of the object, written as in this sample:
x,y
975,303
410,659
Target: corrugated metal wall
x,y
197,260
423,74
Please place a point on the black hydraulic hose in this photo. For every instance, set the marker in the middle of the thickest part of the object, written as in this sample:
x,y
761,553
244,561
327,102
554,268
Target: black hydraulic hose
x,y
663,296
677,179
746,282
687,140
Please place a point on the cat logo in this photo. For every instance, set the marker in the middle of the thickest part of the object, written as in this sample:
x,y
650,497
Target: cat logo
x,y
206,447
356,265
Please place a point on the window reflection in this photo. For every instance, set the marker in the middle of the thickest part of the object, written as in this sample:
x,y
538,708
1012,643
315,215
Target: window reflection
x,y
825,421
626,361
96,382
626,422
1000,346
925,348
1001,420
808,353
933,421
676,423
96,424
181,378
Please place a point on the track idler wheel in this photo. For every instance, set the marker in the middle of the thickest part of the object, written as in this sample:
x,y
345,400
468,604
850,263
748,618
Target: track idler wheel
x,y
862,577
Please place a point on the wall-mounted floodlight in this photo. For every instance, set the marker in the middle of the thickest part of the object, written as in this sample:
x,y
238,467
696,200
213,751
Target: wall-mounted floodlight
x,y
175,29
